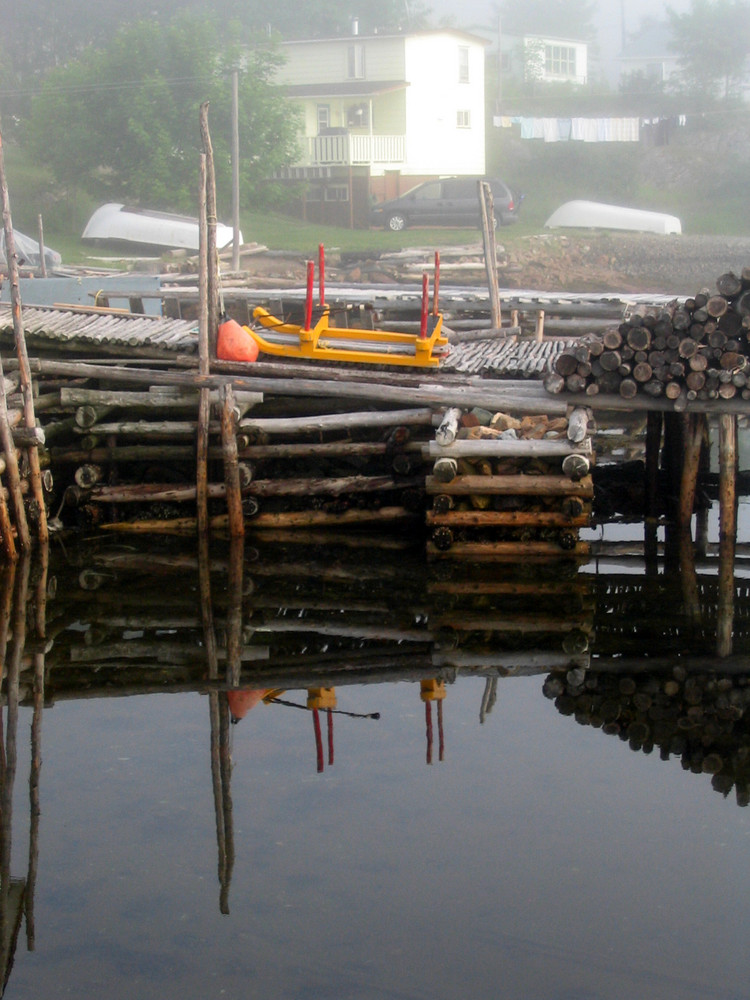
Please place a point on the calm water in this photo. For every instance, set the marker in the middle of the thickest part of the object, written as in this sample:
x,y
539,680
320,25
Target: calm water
x,y
448,849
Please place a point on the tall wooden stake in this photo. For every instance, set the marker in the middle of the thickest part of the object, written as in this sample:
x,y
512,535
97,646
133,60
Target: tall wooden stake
x,y
490,250
26,387
42,260
211,254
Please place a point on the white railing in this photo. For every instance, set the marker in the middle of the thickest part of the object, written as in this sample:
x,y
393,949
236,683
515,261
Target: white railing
x,y
345,149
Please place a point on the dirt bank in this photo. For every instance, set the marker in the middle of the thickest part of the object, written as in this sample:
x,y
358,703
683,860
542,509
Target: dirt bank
x,y
635,262
593,262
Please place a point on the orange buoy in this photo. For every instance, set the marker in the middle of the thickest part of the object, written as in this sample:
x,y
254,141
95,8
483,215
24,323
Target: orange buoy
x,y
242,700
235,343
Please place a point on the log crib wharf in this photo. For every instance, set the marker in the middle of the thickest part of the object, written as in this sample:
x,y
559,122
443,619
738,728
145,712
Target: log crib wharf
x,y
491,451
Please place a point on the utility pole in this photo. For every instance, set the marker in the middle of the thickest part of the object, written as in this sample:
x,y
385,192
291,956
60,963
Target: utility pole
x,y
235,170
499,93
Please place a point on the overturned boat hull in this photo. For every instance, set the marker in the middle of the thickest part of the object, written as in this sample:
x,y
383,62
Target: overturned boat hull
x,y
594,215
116,225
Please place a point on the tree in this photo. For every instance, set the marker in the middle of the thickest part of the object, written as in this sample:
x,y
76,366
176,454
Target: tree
x,y
712,41
46,35
550,18
123,120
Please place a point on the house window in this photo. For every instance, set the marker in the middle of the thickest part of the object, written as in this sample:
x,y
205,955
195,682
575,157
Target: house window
x,y
358,116
463,64
463,119
324,117
560,60
355,61
336,192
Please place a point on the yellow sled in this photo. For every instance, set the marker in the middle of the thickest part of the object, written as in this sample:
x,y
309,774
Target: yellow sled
x,y
329,343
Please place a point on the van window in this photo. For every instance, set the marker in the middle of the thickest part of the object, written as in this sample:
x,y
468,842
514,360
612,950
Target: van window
x,y
427,191
459,187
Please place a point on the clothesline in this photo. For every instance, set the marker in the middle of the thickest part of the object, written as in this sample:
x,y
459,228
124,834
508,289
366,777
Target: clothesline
x,y
581,129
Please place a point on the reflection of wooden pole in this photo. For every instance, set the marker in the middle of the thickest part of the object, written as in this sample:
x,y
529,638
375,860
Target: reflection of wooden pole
x,y
727,530
318,740
36,749
690,468
688,576
12,673
226,799
701,520
213,708
329,719
428,731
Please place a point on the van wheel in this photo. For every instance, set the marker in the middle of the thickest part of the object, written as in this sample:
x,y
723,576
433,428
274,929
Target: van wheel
x,y
396,222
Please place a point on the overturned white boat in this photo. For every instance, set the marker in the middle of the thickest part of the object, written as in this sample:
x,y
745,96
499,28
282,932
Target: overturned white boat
x,y
594,215
116,225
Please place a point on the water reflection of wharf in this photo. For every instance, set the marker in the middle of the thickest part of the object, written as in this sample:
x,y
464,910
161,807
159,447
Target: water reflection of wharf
x,y
300,621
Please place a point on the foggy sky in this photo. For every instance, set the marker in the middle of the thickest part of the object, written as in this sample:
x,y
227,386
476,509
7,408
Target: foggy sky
x,y
468,12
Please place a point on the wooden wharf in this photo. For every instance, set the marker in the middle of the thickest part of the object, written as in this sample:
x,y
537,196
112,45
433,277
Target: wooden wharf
x,y
125,389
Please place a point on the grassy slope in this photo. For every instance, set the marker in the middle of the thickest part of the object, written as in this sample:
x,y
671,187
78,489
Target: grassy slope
x,y
627,175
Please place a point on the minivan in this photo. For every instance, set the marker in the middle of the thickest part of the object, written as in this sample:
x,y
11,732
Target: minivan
x,y
446,201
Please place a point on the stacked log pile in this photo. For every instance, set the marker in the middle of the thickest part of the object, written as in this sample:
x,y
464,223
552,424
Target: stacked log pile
x,y
509,488
696,349
123,449
700,718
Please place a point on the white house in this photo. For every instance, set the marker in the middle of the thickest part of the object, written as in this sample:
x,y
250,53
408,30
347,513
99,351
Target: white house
x,y
649,53
399,108
545,60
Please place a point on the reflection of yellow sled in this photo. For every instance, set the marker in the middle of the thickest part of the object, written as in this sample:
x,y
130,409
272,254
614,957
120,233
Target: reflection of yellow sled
x,y
329,343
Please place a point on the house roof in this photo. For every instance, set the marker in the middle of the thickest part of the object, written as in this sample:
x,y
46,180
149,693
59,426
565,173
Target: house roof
x,y
349,88
394,34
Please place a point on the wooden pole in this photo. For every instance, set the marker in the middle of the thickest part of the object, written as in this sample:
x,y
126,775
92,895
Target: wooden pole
x,y
203,351
727,531
490,250
231,470
23,367
201,480
235,170
212,258
14,485
42,261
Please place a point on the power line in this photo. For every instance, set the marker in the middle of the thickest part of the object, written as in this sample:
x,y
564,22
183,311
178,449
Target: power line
x,y
88,88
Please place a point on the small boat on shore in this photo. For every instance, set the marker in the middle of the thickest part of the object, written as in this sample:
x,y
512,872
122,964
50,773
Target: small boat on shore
x,y
114,224
594,215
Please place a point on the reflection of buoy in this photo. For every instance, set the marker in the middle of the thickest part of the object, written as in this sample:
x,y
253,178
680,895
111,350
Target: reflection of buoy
x,y
235,343
240,702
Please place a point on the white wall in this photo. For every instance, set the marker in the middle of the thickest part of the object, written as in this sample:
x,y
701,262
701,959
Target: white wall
x,y
325,60
435,144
